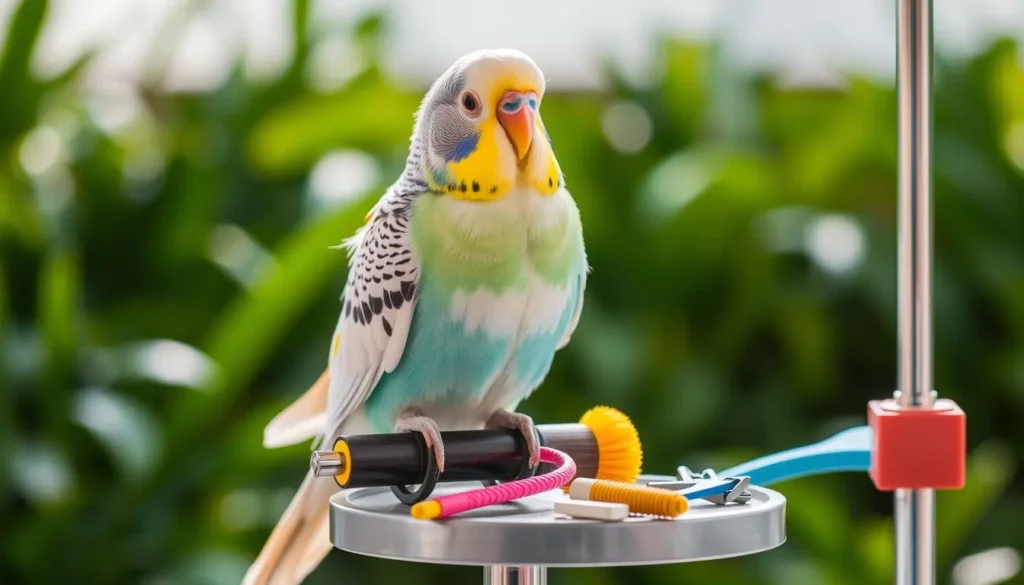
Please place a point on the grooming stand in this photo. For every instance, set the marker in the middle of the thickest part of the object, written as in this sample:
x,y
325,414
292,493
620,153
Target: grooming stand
x,y
516,543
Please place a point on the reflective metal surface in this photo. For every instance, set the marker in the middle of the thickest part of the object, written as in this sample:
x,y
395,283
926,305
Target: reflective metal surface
x,y
501,575
914,509
915,540
324,463
526,533
915,202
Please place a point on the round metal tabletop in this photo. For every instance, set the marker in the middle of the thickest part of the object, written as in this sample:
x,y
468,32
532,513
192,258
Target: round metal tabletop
x,y
372,522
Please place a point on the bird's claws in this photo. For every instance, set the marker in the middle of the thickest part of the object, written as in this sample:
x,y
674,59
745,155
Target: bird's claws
x,y
431,435
522,423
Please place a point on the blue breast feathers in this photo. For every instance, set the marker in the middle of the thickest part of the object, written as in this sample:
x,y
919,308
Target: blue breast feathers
x,y
534,355
442,362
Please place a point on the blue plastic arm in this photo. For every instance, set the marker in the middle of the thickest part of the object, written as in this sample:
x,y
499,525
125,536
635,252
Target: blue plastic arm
x,y
849,450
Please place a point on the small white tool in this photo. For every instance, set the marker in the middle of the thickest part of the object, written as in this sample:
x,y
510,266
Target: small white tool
x,y
592,510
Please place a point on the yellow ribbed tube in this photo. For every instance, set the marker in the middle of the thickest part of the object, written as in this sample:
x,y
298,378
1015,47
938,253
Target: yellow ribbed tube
x,y
643,500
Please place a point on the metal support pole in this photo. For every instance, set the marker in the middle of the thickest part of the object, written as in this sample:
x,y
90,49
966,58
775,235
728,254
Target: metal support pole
x,y
505,575
914,509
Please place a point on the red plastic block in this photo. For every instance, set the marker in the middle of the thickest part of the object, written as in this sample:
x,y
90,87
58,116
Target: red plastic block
x,y
918,448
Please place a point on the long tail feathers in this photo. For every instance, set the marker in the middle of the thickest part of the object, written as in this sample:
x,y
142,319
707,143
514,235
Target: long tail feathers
x,y
300,541
303,420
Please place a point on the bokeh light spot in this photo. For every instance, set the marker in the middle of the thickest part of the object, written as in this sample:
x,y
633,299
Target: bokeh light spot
x,y
341,176
627,126
835,243
41,150
988,567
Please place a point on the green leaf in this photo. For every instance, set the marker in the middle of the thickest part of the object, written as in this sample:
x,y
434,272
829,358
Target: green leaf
x,y
876,548
41,472
809,335
368,114
7,430
210,567
251,327
990,468
19,216
300,30
816,516
677,181
20,89
123,426
58,315
4,319
687,70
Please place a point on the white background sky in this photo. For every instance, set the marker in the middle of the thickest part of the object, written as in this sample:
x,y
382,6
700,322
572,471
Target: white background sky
x,y
566,37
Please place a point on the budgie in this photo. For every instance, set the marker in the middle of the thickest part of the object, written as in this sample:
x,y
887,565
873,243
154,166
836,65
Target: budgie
x,y
466,278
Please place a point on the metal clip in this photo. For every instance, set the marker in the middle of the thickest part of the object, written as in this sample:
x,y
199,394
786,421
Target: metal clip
x,y
708,486
738,493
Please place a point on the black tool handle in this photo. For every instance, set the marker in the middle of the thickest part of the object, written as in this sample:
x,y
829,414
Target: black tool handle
x,y
401,458
480,455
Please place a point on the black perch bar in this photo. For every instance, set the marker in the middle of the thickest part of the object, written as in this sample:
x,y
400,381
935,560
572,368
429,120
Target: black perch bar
x,y
399,459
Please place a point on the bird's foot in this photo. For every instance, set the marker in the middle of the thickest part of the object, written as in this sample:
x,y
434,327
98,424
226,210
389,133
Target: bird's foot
x,y
524,424
414,421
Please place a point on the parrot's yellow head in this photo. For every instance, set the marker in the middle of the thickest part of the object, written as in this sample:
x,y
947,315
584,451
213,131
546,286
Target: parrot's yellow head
x,y
481,131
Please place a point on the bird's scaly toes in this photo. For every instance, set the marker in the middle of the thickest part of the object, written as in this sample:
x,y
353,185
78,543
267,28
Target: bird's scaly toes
x,y
431,434
522,423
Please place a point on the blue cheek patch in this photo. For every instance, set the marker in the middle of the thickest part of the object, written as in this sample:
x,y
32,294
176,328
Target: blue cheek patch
x,y
533,104
464,148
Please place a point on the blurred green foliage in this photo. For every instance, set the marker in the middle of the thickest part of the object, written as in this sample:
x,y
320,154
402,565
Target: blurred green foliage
x,y
167,285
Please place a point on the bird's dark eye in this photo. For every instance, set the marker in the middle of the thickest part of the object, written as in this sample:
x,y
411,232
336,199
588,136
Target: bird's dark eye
x,y
470,103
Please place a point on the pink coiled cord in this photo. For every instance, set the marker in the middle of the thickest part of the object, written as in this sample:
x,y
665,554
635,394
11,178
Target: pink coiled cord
x,y
444,506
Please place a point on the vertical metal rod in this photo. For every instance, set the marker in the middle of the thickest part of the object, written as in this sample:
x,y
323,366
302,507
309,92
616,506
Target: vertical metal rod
x,y
915,206
505,575
914,509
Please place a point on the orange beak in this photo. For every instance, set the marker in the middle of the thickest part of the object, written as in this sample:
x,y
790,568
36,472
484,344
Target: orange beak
x,y
516,117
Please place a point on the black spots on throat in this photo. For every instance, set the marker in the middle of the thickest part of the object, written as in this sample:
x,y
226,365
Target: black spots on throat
x,y
551,182
464,187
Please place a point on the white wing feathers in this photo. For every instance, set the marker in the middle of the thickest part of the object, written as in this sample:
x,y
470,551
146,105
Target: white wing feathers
x,y
372,330
376,315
